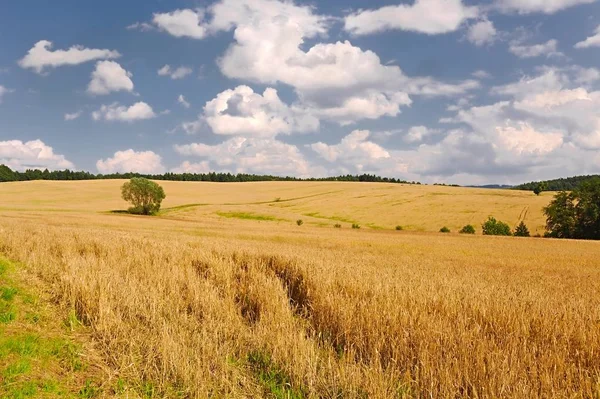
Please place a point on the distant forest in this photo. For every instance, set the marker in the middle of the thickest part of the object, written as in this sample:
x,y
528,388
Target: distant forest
x,y
564,184
6,175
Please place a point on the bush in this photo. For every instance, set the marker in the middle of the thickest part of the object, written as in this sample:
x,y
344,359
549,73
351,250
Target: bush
x,y
355,226
522,230
493,227
145,195
468,229
399,228
299,222
444,230
337,226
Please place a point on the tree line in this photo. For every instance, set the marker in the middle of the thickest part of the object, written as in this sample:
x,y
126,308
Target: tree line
x,y
563,184
6,175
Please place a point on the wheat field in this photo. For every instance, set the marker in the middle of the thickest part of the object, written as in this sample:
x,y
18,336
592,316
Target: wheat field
x,y
223,295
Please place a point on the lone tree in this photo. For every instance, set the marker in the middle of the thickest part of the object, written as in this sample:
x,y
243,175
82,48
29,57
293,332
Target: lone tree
x,y
539,188
493,227
144,195
522,230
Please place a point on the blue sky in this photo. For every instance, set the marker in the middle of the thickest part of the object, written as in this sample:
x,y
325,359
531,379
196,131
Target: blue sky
x,y
467,92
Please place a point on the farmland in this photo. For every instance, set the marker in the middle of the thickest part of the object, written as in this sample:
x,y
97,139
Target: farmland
x,y
223,295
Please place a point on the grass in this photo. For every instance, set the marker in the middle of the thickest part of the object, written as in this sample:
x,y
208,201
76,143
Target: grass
x,y
249,216
204,305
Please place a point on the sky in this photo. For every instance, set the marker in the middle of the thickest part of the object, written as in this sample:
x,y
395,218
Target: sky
x,y
439,91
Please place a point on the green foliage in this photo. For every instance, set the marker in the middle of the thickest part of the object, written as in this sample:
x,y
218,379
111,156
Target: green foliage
x,y
522,230
563,184
355,226
6,174
468,229
575,214
299,222
444,230
275,381
493,227
337,226
145,195
248,216
540,188
399,228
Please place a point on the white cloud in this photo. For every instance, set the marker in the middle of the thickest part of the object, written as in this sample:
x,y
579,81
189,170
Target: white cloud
x,y
417,134
591,41
423,16
522,139
177,73
356,154
336,81
146,162
189,167
181,100
33,154
241,112
72,116
537,6
481,74
548,49
109,76
481,33
40,56
141,26
253,155
3,91
182,23
116,112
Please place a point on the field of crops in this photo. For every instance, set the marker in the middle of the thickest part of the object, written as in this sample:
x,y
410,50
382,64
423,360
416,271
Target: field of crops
x,y
223,295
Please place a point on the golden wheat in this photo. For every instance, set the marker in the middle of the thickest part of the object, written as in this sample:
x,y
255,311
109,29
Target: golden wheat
x,y
224,307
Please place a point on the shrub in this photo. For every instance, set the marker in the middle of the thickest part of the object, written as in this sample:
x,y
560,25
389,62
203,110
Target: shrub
x,y
299,222
355,226
145,195
522,230
337,226
444,230
493,227
468,229
399,228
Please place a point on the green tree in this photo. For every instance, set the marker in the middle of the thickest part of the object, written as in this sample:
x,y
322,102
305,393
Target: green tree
x,y
522,230
587,210
444,230
145,195
493,227
561,217
468,229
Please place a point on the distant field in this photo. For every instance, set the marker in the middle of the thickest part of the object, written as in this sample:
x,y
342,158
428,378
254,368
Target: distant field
x,y
372,205
223,295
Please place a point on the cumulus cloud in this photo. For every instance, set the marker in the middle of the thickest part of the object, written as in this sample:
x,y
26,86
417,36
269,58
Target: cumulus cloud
x,y
417,134
424,16
190,167
72,116
41,56
339,81
355,153
549,49
182,23
481,33
116,112
131,161
481,74
181,100
241,112
177,73
109,76
537,6
591,41
33,154
253,155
